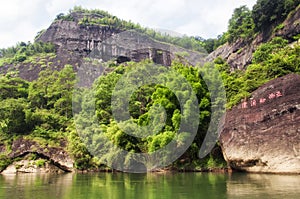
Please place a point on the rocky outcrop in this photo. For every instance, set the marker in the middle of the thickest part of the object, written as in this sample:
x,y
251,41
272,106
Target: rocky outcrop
x,y
88,46
262,134
75,41
32,166
80,44
239,54
291,26
57,156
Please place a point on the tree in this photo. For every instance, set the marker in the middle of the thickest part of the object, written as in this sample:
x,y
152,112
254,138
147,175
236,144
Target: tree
x,y
241,24
13,88
62,91
13,117
53,89
267,12
264,51
39,95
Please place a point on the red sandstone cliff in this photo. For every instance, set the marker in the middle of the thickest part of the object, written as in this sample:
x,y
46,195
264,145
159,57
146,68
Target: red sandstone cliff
x,y
262,134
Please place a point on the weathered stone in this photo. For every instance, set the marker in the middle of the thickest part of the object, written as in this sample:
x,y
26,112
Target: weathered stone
x,y
11,169
262,134
30,166
56,155
291,27
75,41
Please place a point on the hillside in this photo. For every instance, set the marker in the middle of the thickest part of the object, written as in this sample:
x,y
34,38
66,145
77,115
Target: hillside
x,y
238,54
82,31
50,121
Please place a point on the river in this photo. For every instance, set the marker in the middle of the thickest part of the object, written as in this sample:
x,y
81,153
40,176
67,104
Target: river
x,y
151,186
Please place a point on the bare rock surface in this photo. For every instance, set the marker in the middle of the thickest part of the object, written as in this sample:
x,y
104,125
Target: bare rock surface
x,y
57,156
262,134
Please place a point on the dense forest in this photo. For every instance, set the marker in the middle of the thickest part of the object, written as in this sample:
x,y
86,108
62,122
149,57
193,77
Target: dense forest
x,y
41,110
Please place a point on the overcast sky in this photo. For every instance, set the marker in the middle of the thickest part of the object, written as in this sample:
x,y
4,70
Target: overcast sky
x,y
22,19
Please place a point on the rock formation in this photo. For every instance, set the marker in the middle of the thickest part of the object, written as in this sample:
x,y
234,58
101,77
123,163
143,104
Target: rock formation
x,y
77,44
75,41
57,156
262,134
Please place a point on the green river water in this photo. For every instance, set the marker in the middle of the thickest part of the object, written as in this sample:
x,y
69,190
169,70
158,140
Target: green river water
x,y
151,185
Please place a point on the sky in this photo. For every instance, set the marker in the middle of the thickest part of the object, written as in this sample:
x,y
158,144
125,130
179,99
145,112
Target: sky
x,y
20,20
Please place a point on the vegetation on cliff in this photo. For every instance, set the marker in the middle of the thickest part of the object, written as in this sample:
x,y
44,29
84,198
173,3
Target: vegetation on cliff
x,y
97,17
41,110
245,24
271,60
22,51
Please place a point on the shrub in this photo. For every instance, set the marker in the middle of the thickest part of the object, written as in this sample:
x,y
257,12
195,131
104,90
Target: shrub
x,y
40,162
4,162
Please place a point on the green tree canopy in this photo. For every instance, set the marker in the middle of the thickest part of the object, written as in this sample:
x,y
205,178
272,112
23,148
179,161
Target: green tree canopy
x,y
241,24
267,12
13,87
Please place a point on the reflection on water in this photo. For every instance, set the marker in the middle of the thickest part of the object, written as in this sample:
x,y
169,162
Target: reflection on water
x,y
152,186
263,186
35,186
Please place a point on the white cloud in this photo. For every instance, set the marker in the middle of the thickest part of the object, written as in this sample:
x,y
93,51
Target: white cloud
x,y
21,20
55,7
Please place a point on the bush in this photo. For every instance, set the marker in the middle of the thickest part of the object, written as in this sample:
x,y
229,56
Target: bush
x,y
4,162
20,58
40,162
270,60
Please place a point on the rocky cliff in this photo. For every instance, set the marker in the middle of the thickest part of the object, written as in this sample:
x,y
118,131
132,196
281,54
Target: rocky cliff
x,y
80,44
239,53
75,41
262,134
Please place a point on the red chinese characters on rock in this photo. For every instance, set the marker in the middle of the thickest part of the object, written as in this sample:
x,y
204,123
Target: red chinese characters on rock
x,y
262,100
245,104
278,94
253,102
272,96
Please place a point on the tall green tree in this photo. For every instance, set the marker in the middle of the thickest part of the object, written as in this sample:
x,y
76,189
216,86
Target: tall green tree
x,y
241,24
62,91
268,12
13,87
13,117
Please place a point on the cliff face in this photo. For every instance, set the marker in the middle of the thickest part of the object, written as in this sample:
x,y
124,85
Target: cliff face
x,y
262,134
75,41
239,54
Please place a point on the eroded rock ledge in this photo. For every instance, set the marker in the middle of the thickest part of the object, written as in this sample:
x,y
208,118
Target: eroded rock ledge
x,y
57,158
262,134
